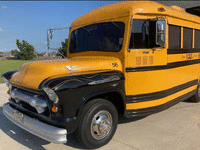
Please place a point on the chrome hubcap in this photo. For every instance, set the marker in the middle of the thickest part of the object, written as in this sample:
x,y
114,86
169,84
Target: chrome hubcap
x,y
101,124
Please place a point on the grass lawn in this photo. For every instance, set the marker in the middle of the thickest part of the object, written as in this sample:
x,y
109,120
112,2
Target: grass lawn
x,y
9,65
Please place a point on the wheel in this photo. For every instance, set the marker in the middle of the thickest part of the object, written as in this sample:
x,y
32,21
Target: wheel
x,y
98,123
196,98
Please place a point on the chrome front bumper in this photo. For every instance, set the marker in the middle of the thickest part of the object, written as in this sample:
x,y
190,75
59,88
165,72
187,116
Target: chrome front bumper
x,y
36,127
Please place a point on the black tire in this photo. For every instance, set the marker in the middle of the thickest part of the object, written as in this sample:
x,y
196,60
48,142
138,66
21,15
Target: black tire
x,y
97,113
196,98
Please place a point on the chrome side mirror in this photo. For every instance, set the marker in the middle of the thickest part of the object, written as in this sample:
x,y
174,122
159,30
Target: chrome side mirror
x,y
161,32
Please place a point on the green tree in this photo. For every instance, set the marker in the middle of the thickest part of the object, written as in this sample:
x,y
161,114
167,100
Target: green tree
x,y
14,52
63,49
26,51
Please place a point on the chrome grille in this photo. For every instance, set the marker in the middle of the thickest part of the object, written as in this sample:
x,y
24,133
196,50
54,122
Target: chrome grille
x,y
36,101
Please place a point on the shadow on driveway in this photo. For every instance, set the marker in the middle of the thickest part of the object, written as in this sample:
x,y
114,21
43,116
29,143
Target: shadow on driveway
x,y
16,133
123,119
29,140
33,142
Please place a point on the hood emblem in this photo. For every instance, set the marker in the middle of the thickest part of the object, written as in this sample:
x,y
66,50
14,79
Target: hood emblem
x,y
70,68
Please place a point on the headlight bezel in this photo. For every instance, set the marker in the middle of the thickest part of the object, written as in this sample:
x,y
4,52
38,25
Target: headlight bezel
x,y
6,81
51,94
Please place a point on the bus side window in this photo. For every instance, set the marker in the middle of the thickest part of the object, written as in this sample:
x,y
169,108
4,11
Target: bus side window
x,y
174,37
187,38
197,39
131,41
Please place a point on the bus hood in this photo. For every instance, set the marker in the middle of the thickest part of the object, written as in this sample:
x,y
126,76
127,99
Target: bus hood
x,y
32,74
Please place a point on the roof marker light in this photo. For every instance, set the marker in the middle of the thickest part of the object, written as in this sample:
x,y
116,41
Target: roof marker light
x,y
161,9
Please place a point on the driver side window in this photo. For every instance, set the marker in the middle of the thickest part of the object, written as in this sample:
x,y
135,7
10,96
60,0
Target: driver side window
x,y
143,34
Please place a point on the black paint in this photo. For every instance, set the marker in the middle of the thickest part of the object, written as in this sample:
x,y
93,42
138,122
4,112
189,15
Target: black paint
x,y
182,51
152,110
8,74
160,94
73,95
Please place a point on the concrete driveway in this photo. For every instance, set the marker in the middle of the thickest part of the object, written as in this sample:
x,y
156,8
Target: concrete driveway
x,y
177,128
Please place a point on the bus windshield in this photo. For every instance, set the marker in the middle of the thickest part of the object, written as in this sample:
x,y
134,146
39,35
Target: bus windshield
x,y
98,37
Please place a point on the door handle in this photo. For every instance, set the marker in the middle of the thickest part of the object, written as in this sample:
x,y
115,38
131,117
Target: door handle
x,y
146,52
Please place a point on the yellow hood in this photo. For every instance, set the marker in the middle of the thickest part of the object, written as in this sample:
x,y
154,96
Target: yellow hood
x,y
32,74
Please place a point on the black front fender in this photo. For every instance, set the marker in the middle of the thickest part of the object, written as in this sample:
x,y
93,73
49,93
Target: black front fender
x,y
8,74
74,91
113,88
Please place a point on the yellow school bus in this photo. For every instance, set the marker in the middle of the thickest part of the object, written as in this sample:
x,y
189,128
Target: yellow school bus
x,y
123,59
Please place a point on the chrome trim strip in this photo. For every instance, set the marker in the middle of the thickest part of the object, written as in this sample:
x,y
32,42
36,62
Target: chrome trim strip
x,y
112,78
36,127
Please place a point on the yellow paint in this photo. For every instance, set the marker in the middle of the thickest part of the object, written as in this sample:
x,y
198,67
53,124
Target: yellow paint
x,y
143,82
159,101
32,74
128,8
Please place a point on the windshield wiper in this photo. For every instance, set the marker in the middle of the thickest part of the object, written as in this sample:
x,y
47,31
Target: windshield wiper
x,y
115,24
85,29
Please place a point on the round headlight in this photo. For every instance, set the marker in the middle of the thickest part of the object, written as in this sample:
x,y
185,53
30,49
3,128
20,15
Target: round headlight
x,y
51,94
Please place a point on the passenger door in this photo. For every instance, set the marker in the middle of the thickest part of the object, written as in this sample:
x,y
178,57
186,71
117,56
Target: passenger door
x,y
144,62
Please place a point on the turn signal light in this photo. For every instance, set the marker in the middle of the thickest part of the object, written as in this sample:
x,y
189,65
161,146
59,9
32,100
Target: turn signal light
x,y
54,109
8,92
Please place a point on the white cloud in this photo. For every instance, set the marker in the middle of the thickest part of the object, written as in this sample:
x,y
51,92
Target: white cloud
x,y
1,30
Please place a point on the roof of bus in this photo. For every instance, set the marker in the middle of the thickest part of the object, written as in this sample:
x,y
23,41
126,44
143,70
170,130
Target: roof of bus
x,y
127,8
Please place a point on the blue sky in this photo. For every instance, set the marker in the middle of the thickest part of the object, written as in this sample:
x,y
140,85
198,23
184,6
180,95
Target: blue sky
x,y
29,21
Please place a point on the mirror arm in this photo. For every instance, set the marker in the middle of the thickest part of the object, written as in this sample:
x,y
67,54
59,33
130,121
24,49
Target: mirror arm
x,y
50,33
48,39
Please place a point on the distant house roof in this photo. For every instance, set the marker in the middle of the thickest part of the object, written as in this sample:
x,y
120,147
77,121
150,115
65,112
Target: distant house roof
x,y
194,10
43,54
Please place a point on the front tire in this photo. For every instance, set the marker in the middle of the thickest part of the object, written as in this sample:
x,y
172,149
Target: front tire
x,y
98,123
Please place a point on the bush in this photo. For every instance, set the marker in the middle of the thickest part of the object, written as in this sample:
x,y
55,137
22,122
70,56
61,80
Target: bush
x,y
26,51
63,49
